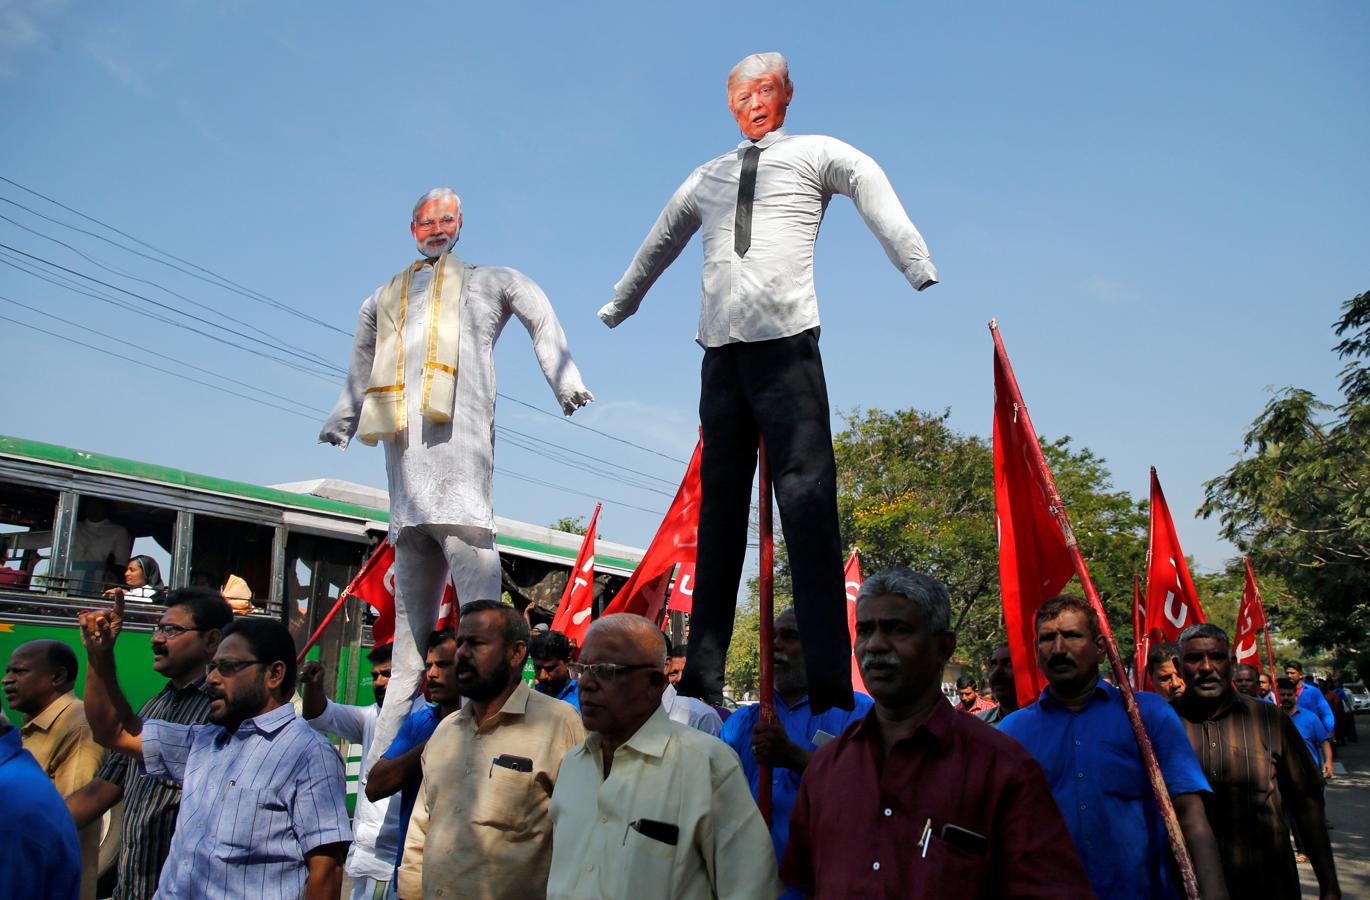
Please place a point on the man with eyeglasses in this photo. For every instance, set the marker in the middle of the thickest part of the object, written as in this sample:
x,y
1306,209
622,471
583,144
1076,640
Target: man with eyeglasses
x,y
647,807
183,641
480,826
422,381
263,811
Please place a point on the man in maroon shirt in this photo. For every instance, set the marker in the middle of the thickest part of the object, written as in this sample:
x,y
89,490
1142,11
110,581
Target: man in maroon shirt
x,y
917,800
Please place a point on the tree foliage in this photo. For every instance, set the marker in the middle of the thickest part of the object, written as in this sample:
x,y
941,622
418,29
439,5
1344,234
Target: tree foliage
x,y
914,492
1298,501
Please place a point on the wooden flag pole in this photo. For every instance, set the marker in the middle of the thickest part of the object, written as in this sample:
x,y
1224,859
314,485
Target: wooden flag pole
x,y
766,584
1058,512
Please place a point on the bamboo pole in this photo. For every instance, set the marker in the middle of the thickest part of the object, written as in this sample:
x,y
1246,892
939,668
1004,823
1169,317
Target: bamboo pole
x,y
767,614
1058,511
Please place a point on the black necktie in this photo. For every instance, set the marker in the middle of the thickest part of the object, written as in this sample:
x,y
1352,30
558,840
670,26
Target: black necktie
x,y
746,189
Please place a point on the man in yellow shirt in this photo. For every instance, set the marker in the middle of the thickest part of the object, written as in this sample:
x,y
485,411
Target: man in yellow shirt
x,y
38,682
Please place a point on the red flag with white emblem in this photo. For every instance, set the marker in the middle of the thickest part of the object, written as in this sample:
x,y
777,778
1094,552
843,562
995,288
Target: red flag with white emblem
x,y
683,594
1172,603
676,542
578,600
852,577
1250,621
375,585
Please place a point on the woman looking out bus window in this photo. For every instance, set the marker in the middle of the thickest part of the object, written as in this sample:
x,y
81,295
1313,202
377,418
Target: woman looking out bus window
x,y
142,581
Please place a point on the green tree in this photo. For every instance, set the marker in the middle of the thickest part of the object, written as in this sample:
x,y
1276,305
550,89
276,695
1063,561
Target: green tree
x,y
576,525
914,492
1298,501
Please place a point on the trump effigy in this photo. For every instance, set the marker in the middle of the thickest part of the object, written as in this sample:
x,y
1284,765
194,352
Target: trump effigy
x,y
422,382
759,207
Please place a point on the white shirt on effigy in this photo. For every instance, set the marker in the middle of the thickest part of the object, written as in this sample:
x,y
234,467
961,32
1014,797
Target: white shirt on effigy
x,y
442,474
769,293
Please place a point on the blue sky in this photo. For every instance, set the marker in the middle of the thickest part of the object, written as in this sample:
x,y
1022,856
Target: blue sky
x,y
1162,204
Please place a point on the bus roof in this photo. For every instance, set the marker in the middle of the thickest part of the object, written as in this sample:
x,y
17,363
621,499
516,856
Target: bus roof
x,y
521,538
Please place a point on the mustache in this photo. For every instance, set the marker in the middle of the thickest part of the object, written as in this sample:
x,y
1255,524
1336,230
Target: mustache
x,y
215,694
879,661
1060,659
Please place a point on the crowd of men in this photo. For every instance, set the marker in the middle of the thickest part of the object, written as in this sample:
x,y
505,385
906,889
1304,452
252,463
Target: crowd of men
x,y
600,781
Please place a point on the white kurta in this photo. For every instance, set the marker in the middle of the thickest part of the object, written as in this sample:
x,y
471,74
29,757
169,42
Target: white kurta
x,y
441,474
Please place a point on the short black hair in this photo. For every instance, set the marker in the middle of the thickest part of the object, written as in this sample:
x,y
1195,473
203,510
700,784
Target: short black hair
x,y
1161,654
515,626
381,653
550,645
1294,664
965,681
679,651
1204,630
61,656
1236,670
1053,607
441,636
1285,683
208,608
270,642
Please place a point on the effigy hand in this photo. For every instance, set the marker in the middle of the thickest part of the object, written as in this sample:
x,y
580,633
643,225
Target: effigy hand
x,y
575,400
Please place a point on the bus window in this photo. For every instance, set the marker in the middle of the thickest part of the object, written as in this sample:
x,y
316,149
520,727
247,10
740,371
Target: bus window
x,y
111,532
317,569
26,521
220,548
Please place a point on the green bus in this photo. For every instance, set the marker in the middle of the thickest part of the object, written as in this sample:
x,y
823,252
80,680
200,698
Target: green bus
x,y
70,519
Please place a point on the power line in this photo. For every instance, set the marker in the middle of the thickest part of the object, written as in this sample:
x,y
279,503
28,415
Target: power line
x,y
196,303
620,468
128,307
569,421
227,284
557,487
144,350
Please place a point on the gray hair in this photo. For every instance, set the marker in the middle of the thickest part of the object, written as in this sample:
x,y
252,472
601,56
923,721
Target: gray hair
x,y
634,628
1202,630
437,193
928,594
755,65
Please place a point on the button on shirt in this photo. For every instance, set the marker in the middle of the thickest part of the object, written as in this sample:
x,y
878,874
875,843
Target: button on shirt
x,y
253,803
670,775
802,726
38,847
151,804
482,830
376,827
1097,777
860,817
769,293
1253,756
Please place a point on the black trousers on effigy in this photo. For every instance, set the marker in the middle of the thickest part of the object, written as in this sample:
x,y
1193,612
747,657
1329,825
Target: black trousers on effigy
x,y
773,389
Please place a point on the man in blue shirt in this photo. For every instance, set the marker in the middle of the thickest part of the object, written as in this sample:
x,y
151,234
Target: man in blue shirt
x,y
1315,735
1079,732
1310,698
550,652
787,743
400,768
38,850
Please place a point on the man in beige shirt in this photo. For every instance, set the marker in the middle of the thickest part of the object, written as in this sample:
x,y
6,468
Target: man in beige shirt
x,y
480,826
647,807
38,682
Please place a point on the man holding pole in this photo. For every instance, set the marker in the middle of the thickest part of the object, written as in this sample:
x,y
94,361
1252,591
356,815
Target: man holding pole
x,y
1080,733
759,206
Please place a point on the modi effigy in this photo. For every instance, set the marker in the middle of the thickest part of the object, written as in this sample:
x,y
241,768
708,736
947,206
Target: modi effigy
x,y
759,207
422,382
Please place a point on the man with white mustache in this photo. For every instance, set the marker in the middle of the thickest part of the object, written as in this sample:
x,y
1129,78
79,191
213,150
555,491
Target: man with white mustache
x,y
422,381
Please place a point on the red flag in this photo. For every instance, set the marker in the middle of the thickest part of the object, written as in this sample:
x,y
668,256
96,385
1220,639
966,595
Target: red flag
x,y
683,594
1172,603
375,585
1250,620
1034,564
1139,650
676,542
852,576
578,600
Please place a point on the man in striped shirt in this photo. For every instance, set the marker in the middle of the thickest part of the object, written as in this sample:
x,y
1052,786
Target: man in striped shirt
x,y
263,811
182,642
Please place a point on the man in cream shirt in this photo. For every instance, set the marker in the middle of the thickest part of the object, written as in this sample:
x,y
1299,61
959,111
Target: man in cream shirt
x,y
647,807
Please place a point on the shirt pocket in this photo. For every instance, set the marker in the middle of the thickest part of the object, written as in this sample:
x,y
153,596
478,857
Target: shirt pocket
x,y
255,825
647,869
503,800
951,870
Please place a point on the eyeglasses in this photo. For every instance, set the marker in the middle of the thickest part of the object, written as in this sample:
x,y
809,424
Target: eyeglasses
x,y
168,630
605,671
230,667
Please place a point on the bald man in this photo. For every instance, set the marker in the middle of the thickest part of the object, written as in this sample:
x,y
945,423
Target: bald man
x,y
39,681
646,807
